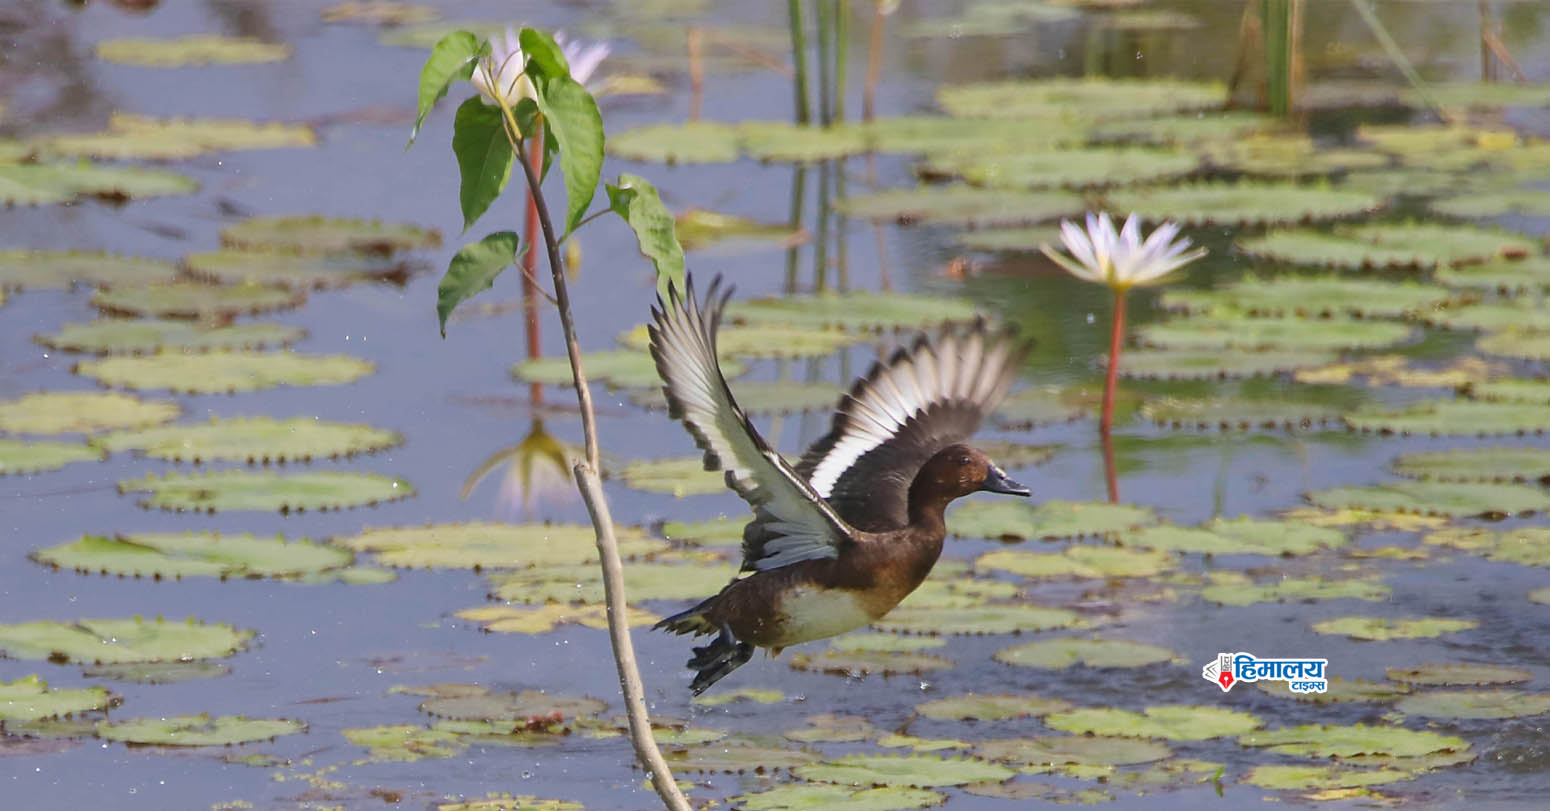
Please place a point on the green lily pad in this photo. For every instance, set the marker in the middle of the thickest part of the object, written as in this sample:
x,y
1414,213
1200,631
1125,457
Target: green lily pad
x,y
974,707
1308,296
1436,498
1507,276
509,619
764,340
677,476
31,699
1452,418
859,310
1541,596
993,618
1242,203
1338,690
1091,98
288,269
252,439
1063,168
1516,464
195,300
1388,245
1059,654
1409,181
691,142
1475,704
761,397
698,229
1238,537
522,707
1067,750
950,587
817,796
1479,95
158,672
406,742
1383,629
1035,407
192,554
629,368
231,490
1512,390
1238,413
66,412
225,372
1078,562
830,728
482,545
1518,314
118,641
1050,520
194,49
1521,202
1173,722
59,270
1295,588
1273,333
969,206
138,336
1009,239
197,730
904,770
1294,778
131,137
1528,546
795,143
32,184
933,135
1188,129
583,583
884,643
870,663
1516,344
329,235
737,755
1328,741
1459,673
17,456
757,695
1169,364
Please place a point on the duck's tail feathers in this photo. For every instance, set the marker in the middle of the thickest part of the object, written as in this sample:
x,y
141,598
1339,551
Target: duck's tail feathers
x,y
691,622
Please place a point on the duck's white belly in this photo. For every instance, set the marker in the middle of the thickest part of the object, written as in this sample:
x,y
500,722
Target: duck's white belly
x,y
816,613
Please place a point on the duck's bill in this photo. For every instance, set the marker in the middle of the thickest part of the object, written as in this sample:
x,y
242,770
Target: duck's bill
x,y
996,481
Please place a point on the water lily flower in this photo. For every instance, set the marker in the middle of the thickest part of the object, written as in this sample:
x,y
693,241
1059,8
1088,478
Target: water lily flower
x,y
500,77
584,57
1121,259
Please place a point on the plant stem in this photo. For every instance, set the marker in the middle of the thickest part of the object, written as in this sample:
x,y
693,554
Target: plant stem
x,y
874,64
825,48
696,72
1116,338
799,60
1110,472
841,55
535,156
798,206
591,488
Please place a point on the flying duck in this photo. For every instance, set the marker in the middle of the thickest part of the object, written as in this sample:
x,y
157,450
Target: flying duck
x,y
838,540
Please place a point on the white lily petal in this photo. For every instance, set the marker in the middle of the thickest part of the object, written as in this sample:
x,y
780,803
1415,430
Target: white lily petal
x,y
1075,268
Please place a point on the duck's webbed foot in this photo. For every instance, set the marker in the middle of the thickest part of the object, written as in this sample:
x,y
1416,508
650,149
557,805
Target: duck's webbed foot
x,y
722,656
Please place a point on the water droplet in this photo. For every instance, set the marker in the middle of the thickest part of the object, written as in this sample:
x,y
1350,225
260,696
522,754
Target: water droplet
x,y
526,774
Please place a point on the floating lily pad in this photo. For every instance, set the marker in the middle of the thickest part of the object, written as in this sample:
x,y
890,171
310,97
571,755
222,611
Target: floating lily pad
x,y
933,135
756,695
1067,750
884,643
1289,155
1009,239
1477,464
505,619
197,730
982,619
830,728
118,641
1171,364
700,228
1293,778
1512,390
252,439
1050,520
1036,407
1522,202
58,270
1459,673
1475,704
1528,546
193,554
287,269
158,672
763,340
231,490
1243,539
195,300
1173,722
1193,128
691,142
1273,333
1516,344
379,12
858,310
522,707
870,663
1507,276
1059,654
1063,168
194,49
225,372
782,141
1085,98
1388,245
17,456
904,770
1338,690
1308,296
31,699
1329,741
737,755
1383,629
1078,562
1238,413
962,205
130,137
328,235
629,368
1480,95
677,476
1436,498
1242,203
406,742
583,583
1519,314
1277,537
62,412
1295,588
1452,418
972,707
33,184
816,796
482,545
138,336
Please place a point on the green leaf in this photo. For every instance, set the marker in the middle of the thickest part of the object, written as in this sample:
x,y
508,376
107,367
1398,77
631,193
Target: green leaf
x,y
483,157
473,269
198,730
636,200
451,60
544,53
576,128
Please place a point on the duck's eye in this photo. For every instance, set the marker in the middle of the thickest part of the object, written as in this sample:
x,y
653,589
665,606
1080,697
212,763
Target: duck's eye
x,y
964,460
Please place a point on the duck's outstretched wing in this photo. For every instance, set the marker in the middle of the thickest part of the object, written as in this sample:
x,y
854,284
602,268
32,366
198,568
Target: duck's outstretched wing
x,y
791,521
925,397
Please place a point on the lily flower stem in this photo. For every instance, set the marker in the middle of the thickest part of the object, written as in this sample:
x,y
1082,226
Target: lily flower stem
x,y
1116,340
530,290
591,486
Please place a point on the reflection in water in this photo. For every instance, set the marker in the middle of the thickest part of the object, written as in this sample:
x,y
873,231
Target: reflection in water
x,y
537,475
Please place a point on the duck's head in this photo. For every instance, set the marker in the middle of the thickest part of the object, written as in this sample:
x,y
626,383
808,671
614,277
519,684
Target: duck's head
x,y
959,470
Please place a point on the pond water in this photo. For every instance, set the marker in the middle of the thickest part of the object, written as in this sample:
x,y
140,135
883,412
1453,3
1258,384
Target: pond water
x,y
330,654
